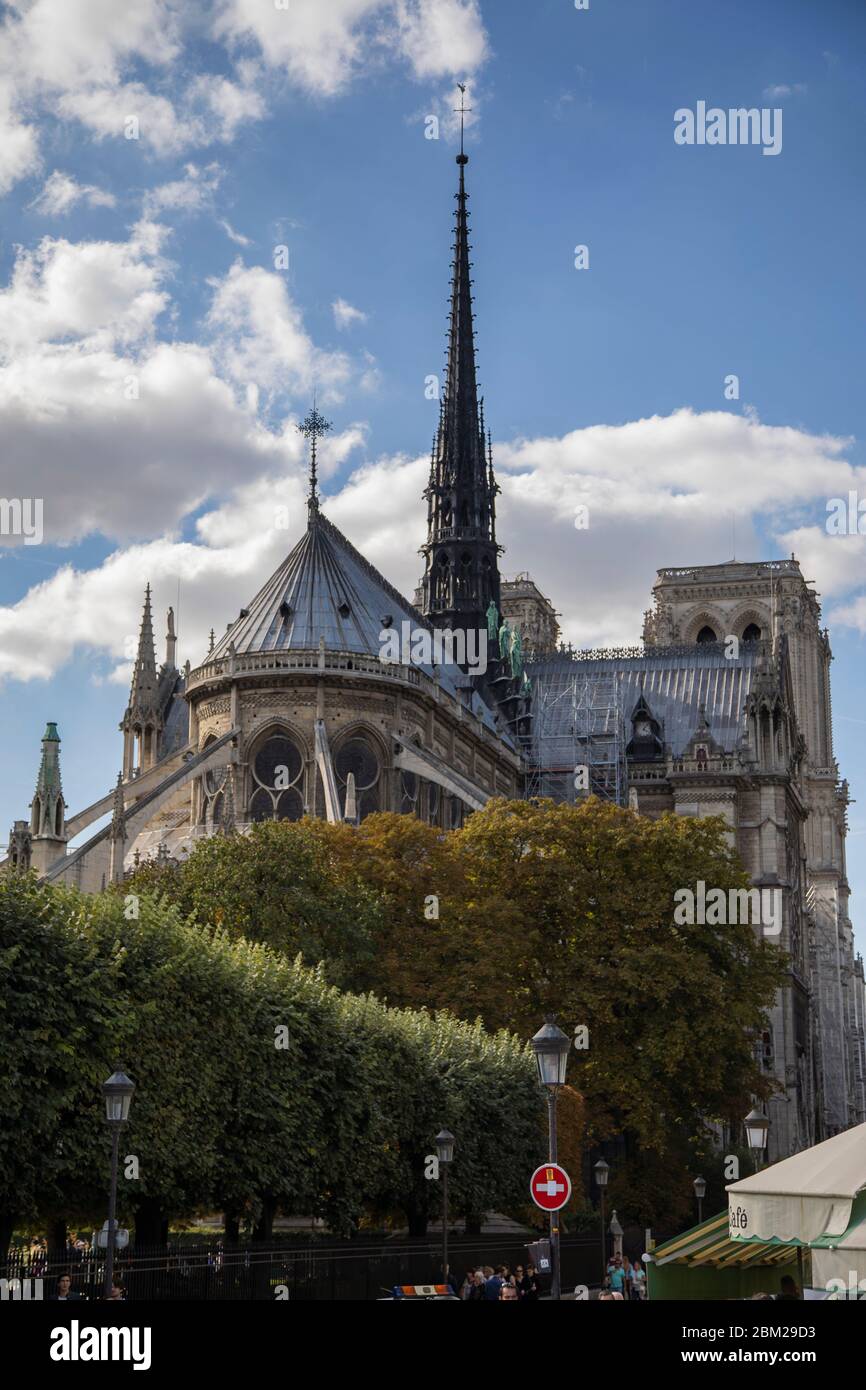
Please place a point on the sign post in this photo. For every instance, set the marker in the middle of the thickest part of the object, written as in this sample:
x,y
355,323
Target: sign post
x,y
550,1189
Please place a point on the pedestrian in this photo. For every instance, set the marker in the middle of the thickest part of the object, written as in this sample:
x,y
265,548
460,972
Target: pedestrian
x,y
790,1293
530,1284
117,1294
508,1293
638,1280
63,1291
616,1275
493,1285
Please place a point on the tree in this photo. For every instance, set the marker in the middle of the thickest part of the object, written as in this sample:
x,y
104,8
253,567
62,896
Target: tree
x,y
278,886
577,904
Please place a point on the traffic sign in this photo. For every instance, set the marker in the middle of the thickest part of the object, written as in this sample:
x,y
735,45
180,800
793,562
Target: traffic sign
x,y
550,1187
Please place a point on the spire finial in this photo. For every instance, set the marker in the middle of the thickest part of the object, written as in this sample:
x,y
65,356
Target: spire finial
x,y
462,109
313,428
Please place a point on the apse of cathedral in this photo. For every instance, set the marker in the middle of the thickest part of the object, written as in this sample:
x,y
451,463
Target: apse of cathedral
x,y
295,710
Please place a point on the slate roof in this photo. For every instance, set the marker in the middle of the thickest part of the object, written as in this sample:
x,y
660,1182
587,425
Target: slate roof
x,y
675,682
326,589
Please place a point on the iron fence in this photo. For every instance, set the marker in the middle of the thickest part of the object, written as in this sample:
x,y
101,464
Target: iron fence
x,y
362,1269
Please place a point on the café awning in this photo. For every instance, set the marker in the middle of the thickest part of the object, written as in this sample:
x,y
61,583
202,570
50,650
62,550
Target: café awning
x,y
704,1263
802,1198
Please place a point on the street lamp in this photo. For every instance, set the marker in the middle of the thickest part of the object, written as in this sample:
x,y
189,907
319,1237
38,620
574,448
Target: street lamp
x,y
117,1091
757,1126
602,1171
700,1186
551,1047
445,1152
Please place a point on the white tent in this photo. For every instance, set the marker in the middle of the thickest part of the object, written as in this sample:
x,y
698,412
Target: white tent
x,y
802,1198
843,1261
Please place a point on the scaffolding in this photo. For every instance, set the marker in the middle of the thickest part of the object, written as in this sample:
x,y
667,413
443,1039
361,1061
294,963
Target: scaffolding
x,y
578,744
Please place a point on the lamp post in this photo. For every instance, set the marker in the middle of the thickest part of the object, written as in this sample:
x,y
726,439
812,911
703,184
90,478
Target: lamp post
x,y
700,1186
757,1126
602,1171
117,1091
445,1152
551,1047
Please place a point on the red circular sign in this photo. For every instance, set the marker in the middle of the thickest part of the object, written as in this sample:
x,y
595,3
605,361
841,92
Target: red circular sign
x,y
550,1187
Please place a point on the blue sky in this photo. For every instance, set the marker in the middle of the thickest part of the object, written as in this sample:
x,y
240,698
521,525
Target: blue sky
x,y
153,259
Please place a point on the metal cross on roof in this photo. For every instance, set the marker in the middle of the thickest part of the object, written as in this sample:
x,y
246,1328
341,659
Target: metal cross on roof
x,y
462,110
313,428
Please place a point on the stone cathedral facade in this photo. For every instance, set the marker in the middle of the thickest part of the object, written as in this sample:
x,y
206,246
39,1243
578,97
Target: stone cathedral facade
x,y
293,711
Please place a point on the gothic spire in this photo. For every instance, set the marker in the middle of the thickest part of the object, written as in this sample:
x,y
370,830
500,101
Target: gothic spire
x,y
117,809
461,578
142,722
47,807
143,692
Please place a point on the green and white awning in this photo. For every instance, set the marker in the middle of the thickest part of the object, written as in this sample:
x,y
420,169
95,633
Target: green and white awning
x,y
802,1199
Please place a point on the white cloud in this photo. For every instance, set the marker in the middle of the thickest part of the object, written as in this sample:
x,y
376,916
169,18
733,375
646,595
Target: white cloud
x,y
261,337
441,38
785,89
99,293
660,491
345,314
237,237
116,431
67,44
322,46
101,63
237,546
193,193
60,193
106,111
229,104
19,142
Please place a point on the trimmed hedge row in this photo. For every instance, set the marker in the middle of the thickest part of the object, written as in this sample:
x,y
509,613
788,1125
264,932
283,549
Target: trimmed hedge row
x,y
259,1086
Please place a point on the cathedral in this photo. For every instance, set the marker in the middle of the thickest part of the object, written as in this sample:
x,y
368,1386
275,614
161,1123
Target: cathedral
x,y
295,710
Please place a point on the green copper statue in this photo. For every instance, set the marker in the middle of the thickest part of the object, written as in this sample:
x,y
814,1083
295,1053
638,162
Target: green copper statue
x,y
505,641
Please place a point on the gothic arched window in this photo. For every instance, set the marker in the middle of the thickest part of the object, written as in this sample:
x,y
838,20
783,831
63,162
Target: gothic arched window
x,y
358,757
752,633
211,787
277,773
707,634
